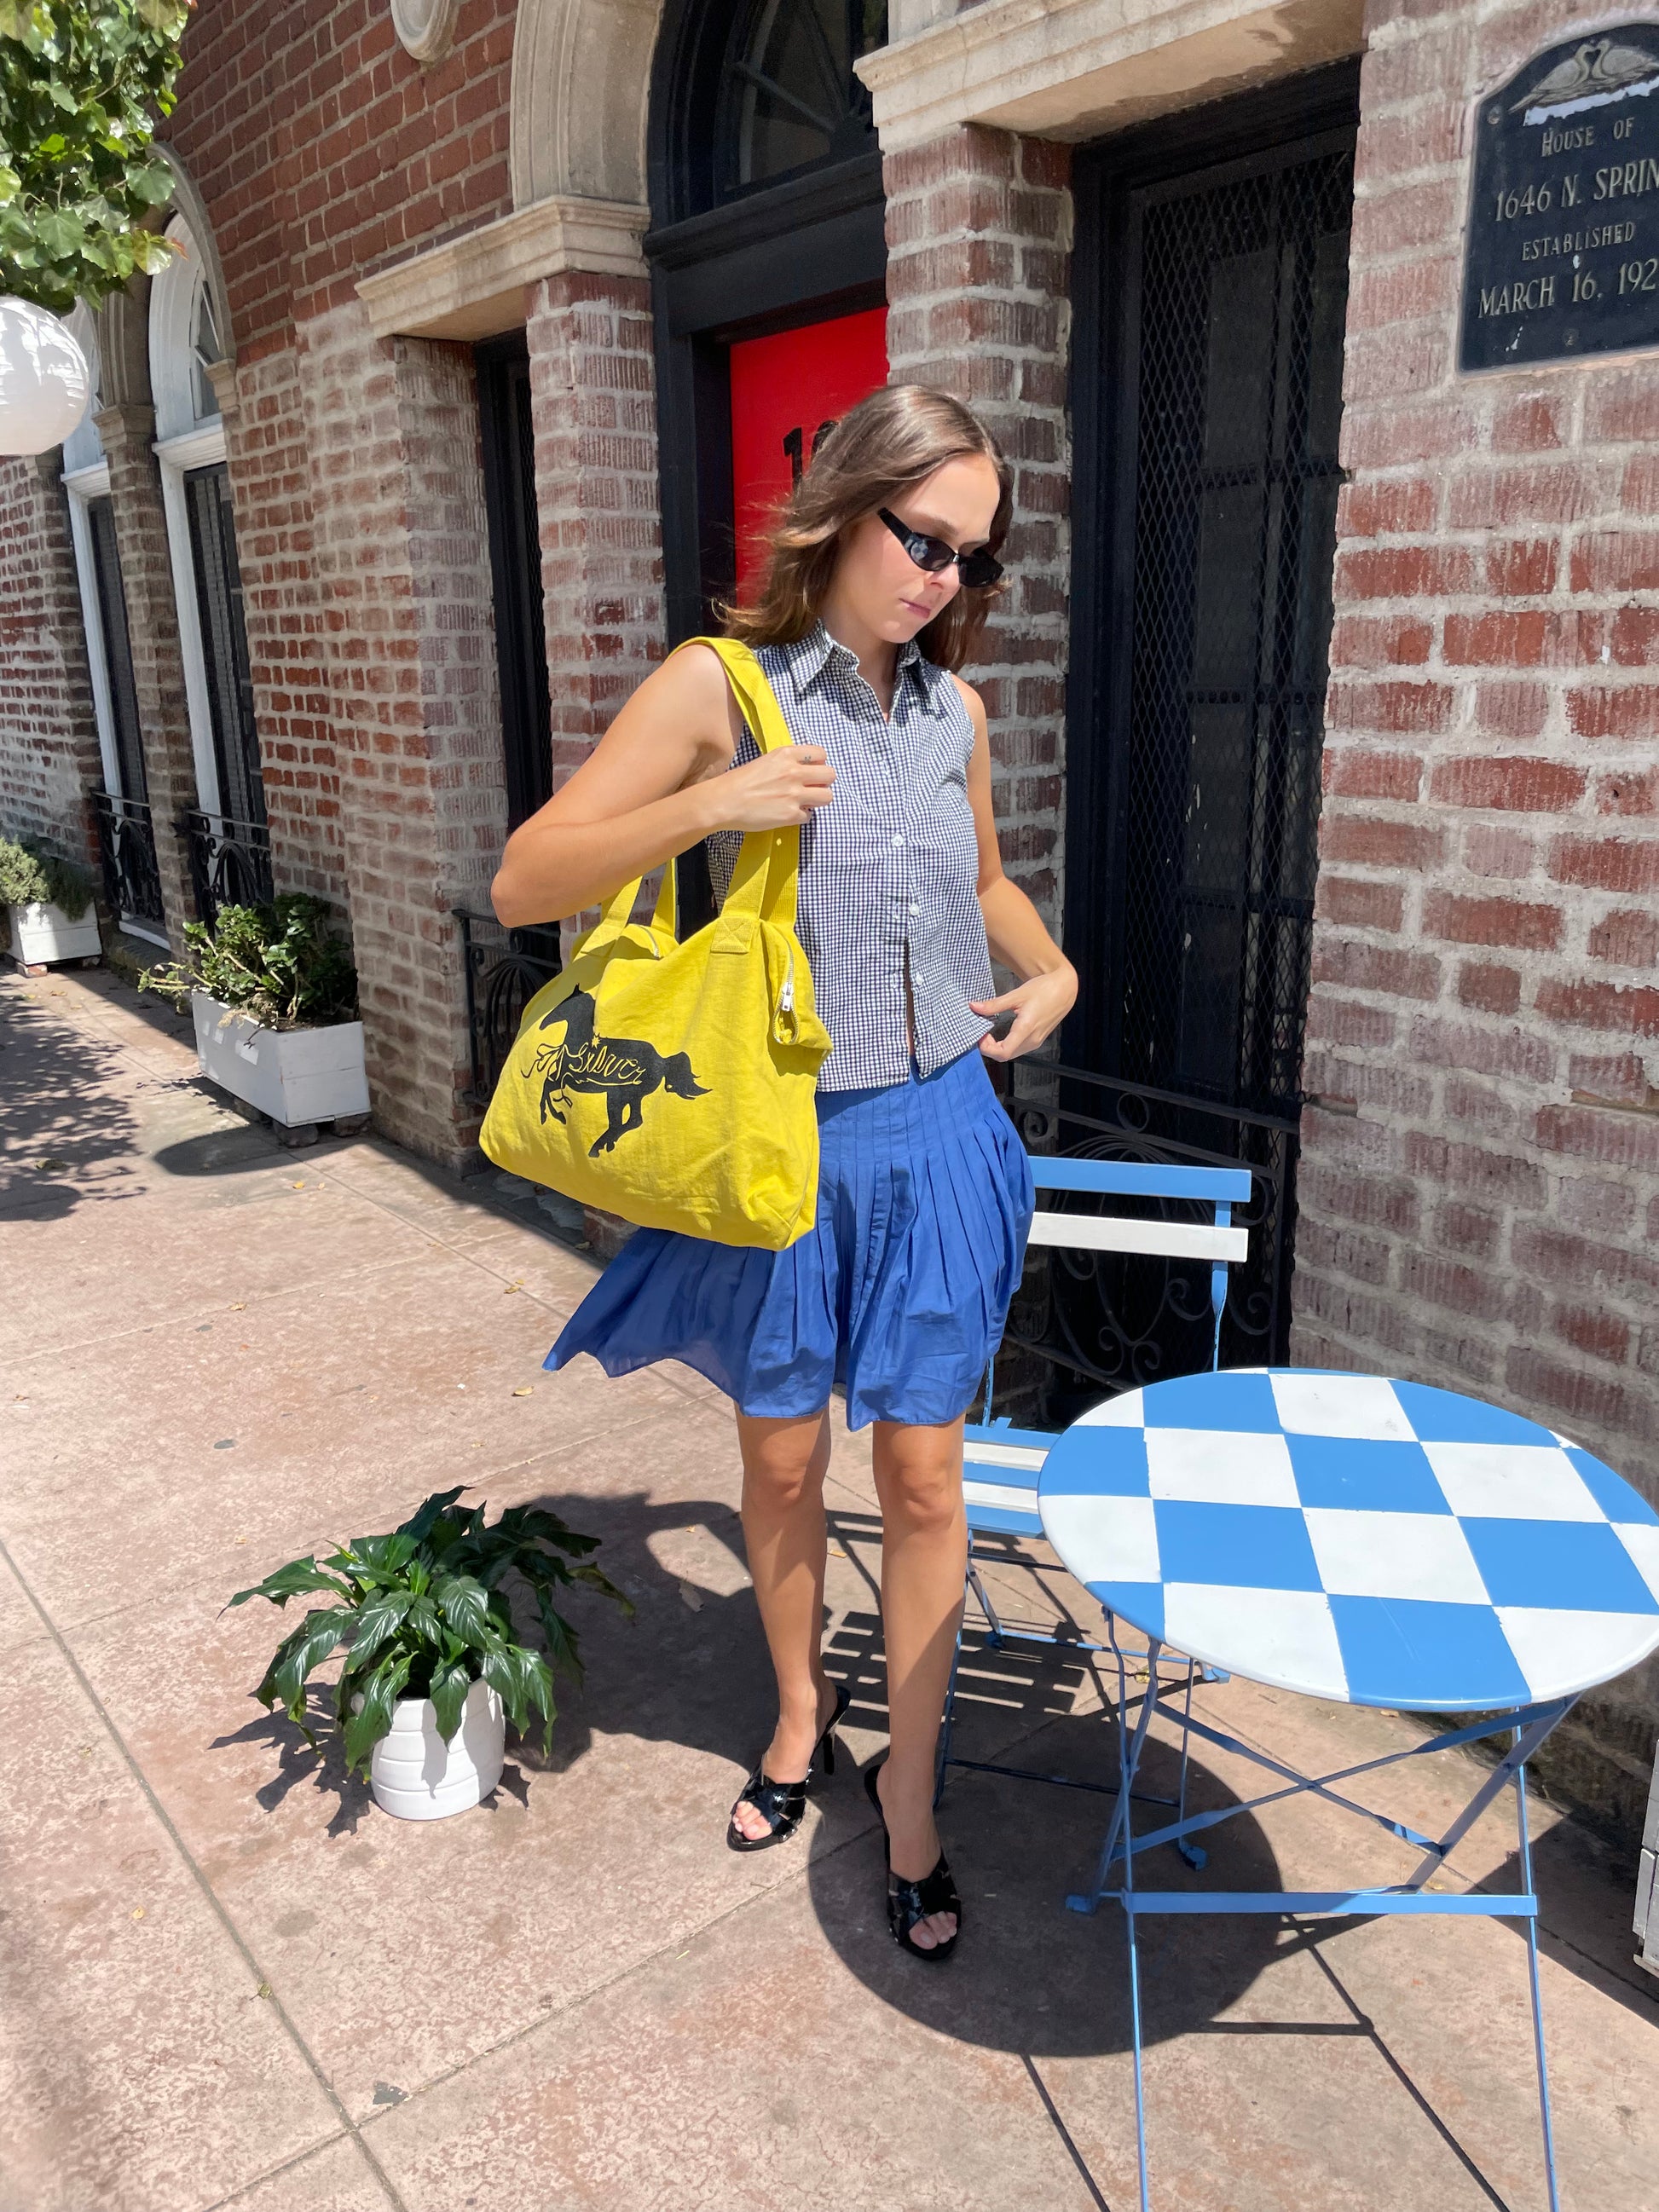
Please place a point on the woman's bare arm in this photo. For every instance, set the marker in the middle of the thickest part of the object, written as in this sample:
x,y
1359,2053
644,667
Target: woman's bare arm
x,y
652,785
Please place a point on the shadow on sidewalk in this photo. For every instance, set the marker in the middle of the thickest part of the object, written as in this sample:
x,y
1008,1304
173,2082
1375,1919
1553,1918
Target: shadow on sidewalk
x,y
63,1141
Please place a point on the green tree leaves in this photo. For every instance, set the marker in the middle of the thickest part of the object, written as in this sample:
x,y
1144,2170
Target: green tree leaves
x,y
424,1611
83,86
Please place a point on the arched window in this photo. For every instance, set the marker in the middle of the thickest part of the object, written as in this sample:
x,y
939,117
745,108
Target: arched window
x,y
184,339
757,92
121,802
791,100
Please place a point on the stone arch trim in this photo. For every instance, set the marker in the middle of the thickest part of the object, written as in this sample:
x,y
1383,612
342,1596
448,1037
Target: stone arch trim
x,y
581,98
187,201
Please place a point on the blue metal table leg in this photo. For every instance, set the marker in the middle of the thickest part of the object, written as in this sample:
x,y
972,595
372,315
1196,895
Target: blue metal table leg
x,y
1129,1750
1195,1854
1525,1852
1128,1903
1129,1753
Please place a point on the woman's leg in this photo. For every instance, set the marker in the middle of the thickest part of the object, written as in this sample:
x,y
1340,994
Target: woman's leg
x,y
924,1562
784,1464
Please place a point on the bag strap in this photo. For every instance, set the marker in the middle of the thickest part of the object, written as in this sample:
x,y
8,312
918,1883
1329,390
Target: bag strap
x,y
765,878
614,914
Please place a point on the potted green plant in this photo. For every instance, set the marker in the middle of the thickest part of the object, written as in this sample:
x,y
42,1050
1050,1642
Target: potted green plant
x,y
434,1665
49,903
274,995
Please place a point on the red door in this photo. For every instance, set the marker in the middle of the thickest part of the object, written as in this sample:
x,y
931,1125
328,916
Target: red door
x,y
787,390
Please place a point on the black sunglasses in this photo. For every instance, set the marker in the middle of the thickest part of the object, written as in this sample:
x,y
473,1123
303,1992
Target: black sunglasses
x,y
977,570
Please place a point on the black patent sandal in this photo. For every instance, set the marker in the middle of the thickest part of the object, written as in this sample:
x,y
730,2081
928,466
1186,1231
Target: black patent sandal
x,y
908,1902
781,1804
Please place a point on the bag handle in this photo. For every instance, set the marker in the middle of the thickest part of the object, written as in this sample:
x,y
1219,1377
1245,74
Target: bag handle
x,y
615,914
766,879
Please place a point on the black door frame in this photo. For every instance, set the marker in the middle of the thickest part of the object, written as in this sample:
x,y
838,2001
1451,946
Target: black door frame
x,y
502,368
1309,115
803,251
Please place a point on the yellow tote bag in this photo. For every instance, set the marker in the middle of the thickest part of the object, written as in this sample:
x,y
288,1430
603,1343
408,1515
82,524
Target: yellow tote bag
x,y
674,1084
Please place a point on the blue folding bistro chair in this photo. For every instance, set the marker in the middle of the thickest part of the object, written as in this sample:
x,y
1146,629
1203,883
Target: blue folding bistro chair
x,y
1001,1463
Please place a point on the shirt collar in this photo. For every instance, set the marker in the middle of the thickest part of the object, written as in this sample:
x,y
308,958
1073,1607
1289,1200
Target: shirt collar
x,y
811,655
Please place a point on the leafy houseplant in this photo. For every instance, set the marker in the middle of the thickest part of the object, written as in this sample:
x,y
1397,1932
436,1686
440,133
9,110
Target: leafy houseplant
x,y
30,875
82,84
423,1612
282,963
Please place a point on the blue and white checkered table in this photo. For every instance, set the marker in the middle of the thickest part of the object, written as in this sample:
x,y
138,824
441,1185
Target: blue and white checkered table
x,y
1369,1542
1379,1543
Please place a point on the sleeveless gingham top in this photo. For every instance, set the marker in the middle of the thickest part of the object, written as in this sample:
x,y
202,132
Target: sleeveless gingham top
x,y
889,869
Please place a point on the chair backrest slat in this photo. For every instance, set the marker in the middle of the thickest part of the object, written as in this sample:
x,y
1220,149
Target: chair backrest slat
x,y
1170,1239
1140,1179
1219,1189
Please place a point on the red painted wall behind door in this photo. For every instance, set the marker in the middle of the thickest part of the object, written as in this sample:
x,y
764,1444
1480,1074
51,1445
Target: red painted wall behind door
x,y
784,389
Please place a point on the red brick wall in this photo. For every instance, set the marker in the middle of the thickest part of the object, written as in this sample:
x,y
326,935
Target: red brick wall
x,y
1479,1190
978,239
403,571
323,150
593,396
49,756
269,455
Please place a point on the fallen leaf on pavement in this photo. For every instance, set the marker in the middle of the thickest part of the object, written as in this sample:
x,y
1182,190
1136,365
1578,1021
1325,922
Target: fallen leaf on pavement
x,y
524,1389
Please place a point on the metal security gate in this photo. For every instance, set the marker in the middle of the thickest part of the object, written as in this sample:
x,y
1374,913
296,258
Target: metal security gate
x,y
1243,289
1211,326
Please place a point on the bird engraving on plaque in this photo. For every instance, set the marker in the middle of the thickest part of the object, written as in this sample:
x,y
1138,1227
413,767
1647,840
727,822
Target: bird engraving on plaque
x,y
1563,247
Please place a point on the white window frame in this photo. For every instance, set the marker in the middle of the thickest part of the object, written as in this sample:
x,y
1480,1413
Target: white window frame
x,y
202,445
82,486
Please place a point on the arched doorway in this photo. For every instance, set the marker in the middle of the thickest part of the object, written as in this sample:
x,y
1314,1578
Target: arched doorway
x,y
769,261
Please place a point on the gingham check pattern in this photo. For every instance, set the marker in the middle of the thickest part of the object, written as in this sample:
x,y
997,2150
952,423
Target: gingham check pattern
x,y
1379,1543
889,863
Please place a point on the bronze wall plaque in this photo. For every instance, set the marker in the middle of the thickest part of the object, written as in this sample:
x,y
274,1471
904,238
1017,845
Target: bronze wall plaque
x,y
1563,250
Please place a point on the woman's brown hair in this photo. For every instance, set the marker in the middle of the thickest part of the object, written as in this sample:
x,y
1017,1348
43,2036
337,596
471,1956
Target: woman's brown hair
x,y
893,439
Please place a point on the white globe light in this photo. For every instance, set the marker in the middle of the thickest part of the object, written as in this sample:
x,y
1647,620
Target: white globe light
x,y
44,381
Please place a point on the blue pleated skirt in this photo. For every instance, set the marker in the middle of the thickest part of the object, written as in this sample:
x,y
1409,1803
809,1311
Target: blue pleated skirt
x,y
900,1291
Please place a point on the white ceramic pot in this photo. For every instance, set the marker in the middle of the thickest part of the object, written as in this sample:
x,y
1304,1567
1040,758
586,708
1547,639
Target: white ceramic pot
x,y
416,1776
293,1075
41,932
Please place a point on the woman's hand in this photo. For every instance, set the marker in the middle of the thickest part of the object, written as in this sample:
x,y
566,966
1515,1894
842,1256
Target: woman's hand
x,y
778,792
1039,1008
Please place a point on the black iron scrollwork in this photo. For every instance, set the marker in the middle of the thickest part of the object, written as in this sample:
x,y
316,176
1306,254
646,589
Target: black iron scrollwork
x,y
126,848
230,862
1111,1322
504,969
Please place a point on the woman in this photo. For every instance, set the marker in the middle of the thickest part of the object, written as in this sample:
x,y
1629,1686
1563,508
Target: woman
x,y
883,568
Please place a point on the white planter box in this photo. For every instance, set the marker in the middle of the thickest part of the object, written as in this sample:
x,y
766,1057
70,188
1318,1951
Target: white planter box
x,y
416,1776
41,932
293,1075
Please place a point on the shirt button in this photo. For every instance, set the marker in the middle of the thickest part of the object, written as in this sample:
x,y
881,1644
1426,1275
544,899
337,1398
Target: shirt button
x,y
915,909
898,840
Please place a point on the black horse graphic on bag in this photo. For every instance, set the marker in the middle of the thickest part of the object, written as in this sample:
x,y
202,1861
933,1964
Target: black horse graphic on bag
x,y
627,1069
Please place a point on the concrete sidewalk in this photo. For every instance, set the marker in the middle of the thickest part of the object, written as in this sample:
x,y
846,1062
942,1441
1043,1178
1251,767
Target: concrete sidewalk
x,y
227,1978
